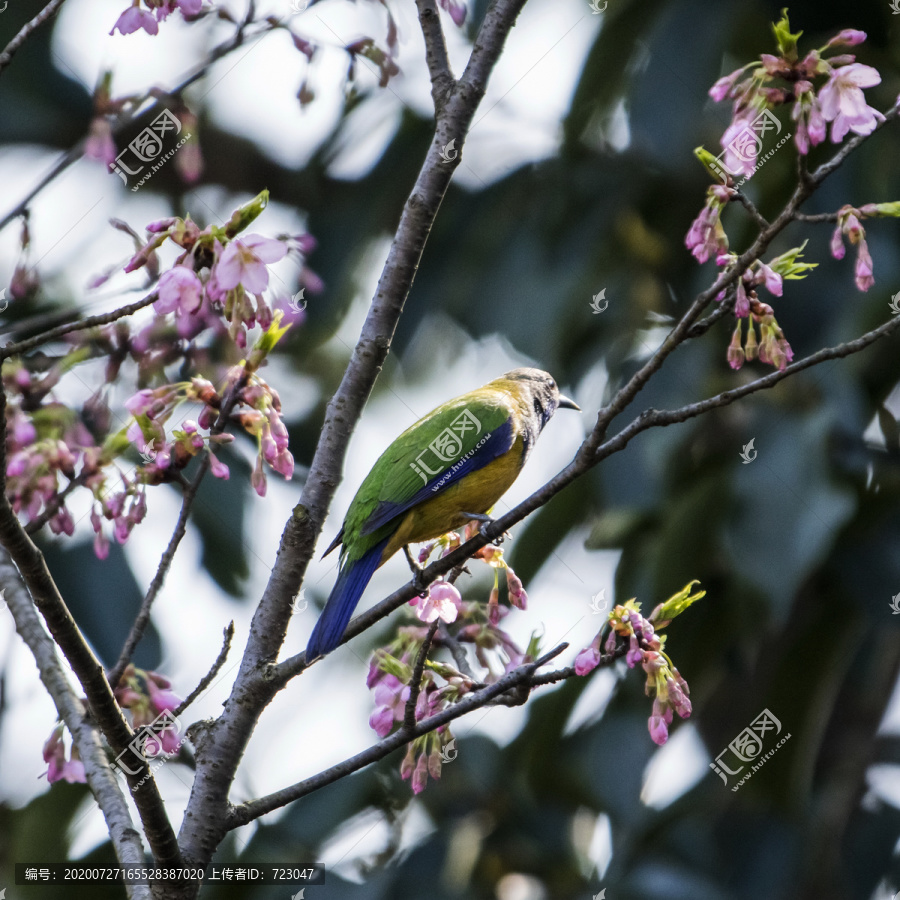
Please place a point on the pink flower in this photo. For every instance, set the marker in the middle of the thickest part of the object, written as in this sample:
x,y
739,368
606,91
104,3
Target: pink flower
x,y
244,261
390,703
807,111
382,721
133,19
457,11
658,730
420,775
740,145
587,661
843,103
742,301
218,468
443,601
162,699
99,144
864,279
54,754
735,350
837,242
849,37
180,291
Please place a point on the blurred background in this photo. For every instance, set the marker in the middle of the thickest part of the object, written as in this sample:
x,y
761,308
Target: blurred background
x,y
578,176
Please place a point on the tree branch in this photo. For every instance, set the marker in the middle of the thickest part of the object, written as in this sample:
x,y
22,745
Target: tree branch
x,y
78,325
27,30
104,709
165,563
415,685
442,80
125,839
218,760
247,812
207,680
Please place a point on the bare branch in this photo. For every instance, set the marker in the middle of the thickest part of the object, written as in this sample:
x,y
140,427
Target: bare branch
x,y
27,30
78,325
208,678
165,563
415,685
217,762
442,80
247,812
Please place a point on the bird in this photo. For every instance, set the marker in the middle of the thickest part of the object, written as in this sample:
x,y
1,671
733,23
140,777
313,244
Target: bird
x,y
447,469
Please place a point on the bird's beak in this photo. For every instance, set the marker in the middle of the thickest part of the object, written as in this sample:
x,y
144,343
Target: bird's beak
x,y
566,403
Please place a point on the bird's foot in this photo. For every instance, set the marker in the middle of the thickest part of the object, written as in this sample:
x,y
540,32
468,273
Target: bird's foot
x,y
486,521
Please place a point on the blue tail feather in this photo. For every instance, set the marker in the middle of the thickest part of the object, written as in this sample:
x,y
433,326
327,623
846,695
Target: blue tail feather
x,y
345,595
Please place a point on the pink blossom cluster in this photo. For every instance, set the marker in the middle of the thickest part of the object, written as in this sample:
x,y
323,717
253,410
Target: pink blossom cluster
x,y
137,17
822,89
443,684
646,648
146,695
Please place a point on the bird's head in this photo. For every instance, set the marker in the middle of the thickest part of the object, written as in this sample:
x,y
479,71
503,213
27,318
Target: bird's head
x,y
539,391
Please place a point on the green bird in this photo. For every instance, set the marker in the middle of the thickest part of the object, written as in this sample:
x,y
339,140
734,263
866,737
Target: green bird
x,y
450,467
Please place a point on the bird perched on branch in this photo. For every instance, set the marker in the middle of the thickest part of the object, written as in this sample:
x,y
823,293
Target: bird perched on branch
x,y
450,467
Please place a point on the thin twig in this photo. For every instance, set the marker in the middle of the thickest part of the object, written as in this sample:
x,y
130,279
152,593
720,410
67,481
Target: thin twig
x,y
165,563
55,503
208,678
247,812
78,325
442,80
749,205
27,30
415,684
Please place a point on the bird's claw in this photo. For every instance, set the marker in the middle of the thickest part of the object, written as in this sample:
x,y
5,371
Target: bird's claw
x,y
486,521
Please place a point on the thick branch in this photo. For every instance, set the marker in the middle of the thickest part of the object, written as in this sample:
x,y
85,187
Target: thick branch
x,y
217,763
27,30
125,839
103,707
